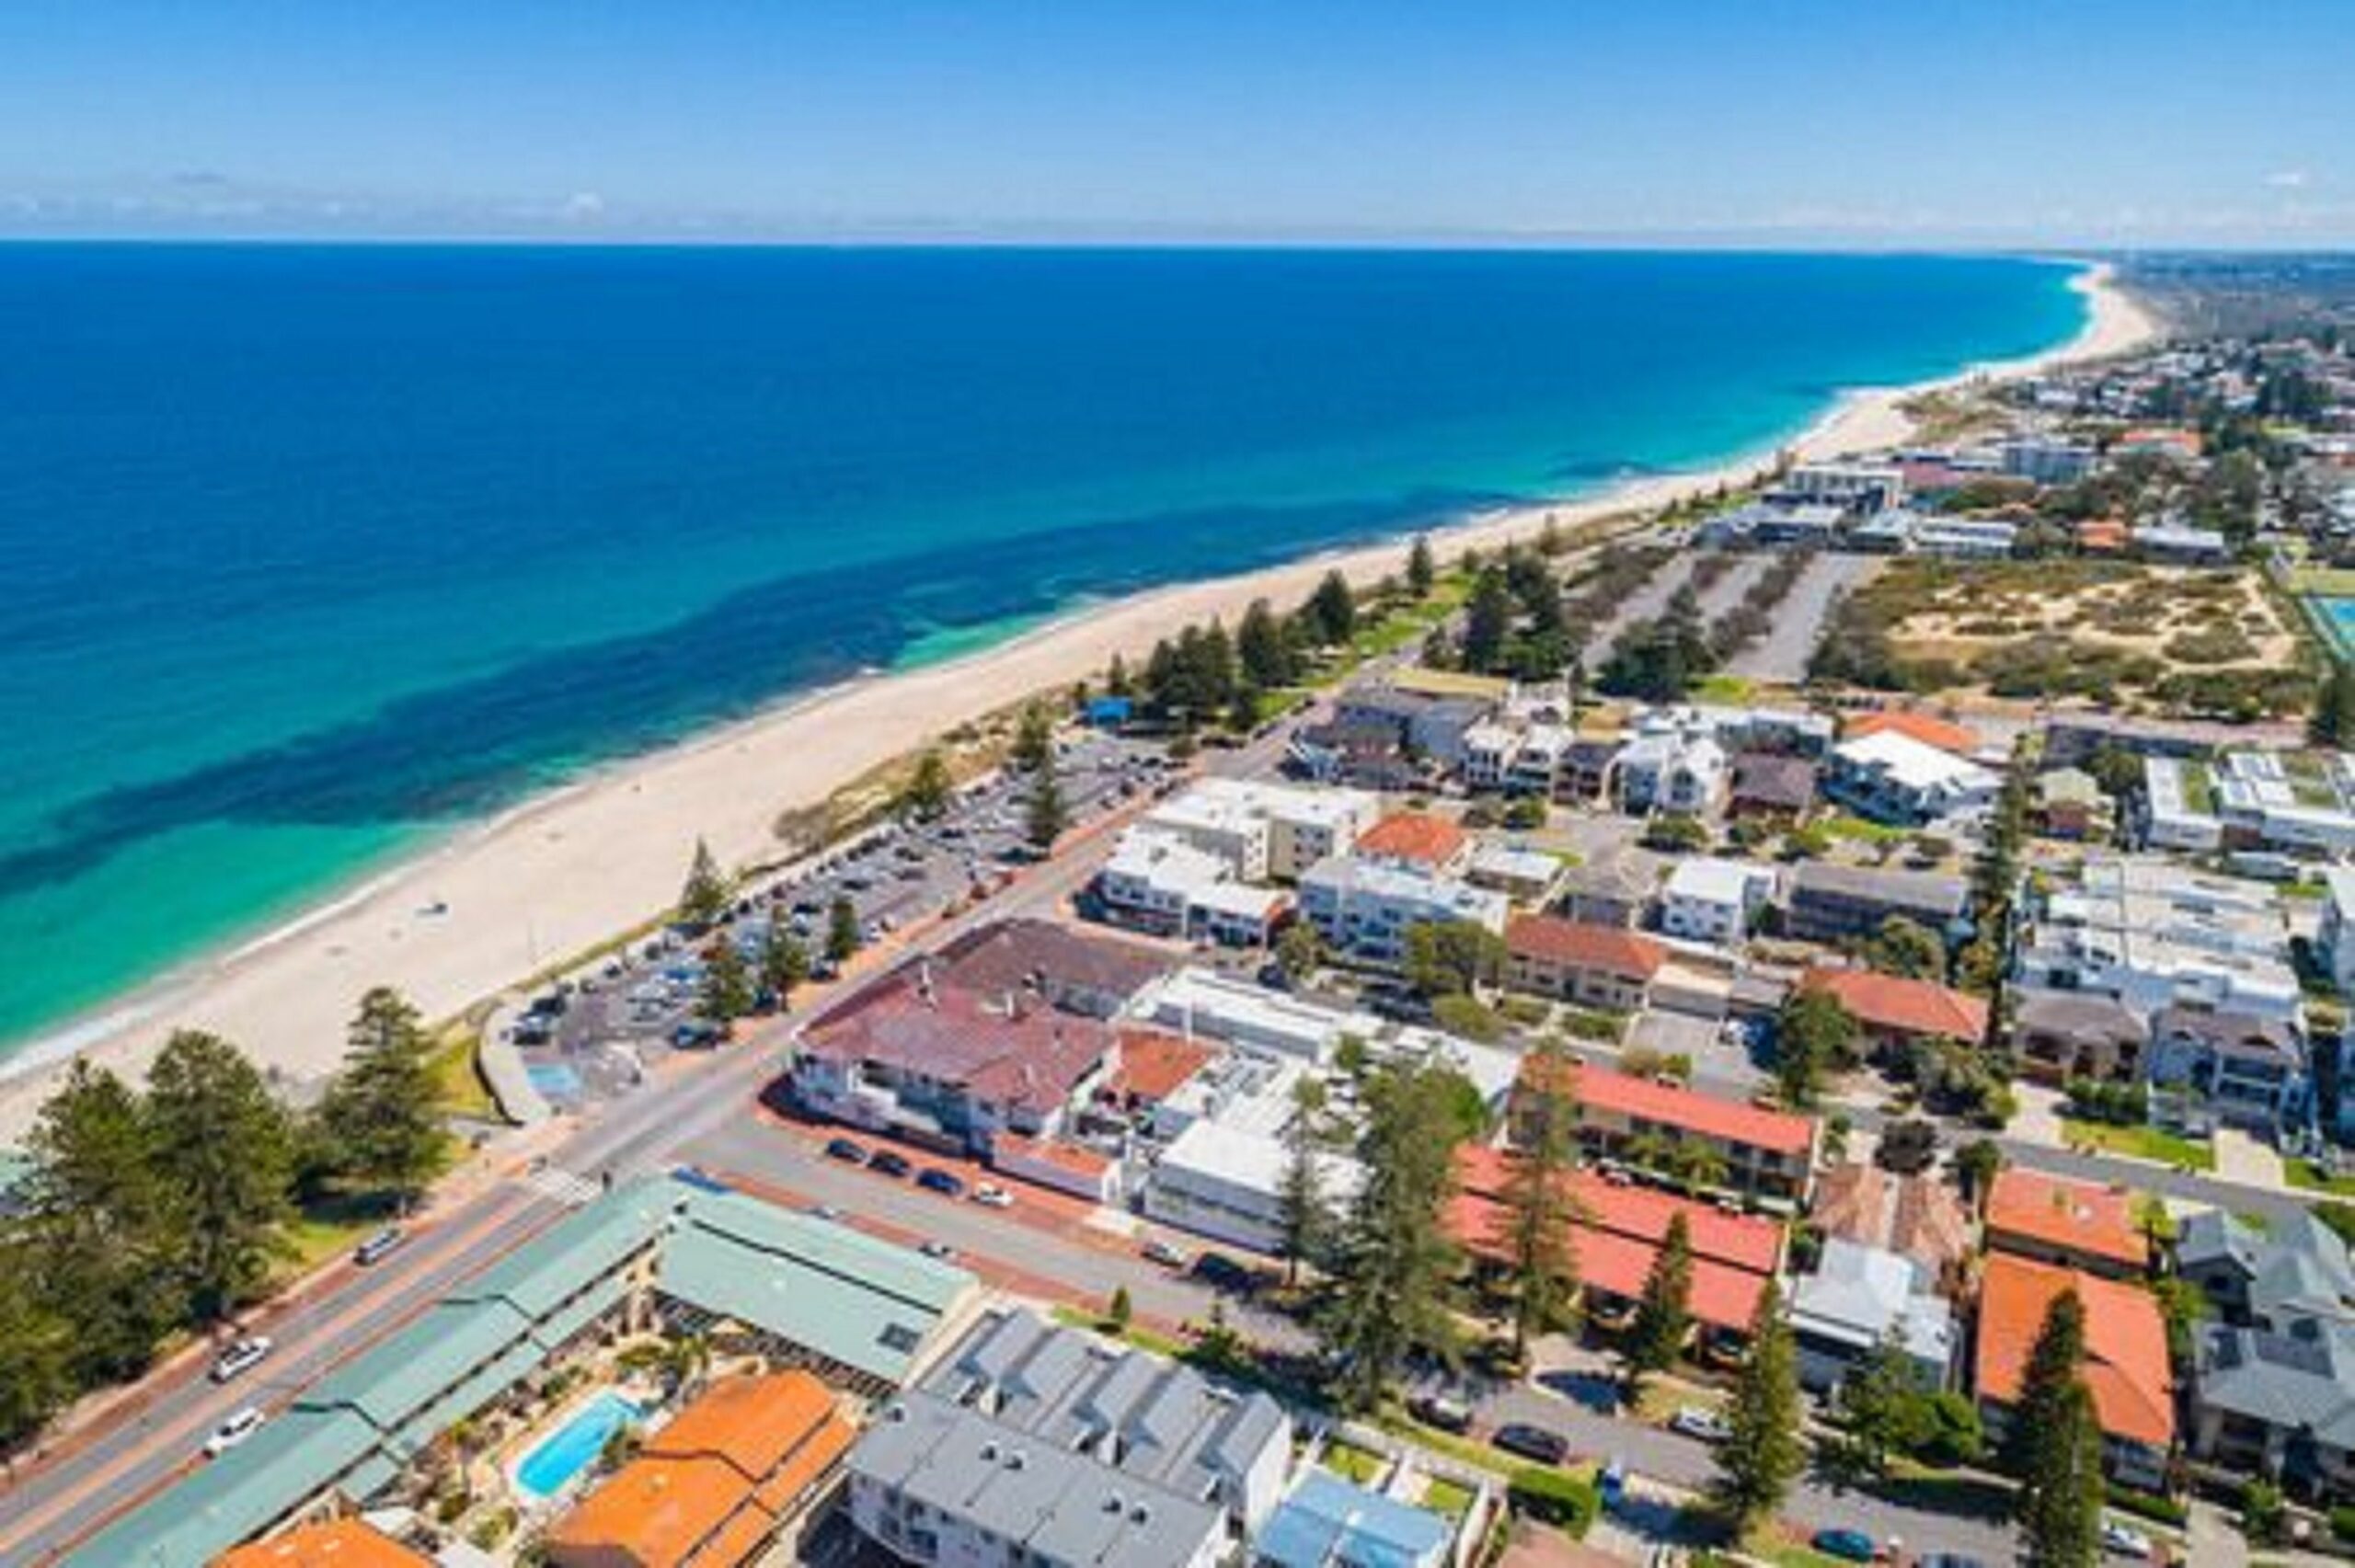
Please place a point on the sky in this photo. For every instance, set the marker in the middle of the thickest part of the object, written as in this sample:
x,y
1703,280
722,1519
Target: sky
x,y
1914,123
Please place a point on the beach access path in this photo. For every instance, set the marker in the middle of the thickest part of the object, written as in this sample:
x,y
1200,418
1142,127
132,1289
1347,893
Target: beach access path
x,y
573,869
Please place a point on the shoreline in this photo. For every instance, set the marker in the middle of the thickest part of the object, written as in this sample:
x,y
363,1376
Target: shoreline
x,y
567,869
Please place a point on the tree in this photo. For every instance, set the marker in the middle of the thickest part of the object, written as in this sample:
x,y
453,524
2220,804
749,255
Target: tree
x,y
1487,620
1539,1205
1299,950
1332,610
381,1114
1043,816
1119,1310
708,891
727,983
1034,739
1302,1218
1116,679
784,962
1392,1263
1421,575
36,1355
1452,957
1877,1407
928,788
2334,716
1262,649
1664,1315
1908,949
1975,1165
1765,1452
2061,1514
227,1149
843,938
98,1224
1813,1034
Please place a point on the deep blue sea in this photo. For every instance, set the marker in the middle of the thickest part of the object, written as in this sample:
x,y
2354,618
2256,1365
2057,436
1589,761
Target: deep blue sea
x,y
308,552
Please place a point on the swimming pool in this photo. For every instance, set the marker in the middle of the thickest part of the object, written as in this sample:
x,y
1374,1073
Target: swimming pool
x,y
564,1453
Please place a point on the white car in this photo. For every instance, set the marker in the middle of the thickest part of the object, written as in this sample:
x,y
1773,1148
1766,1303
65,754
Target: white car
x,y
242,1357
989,1195
1706,1424
2125,1540
234,1431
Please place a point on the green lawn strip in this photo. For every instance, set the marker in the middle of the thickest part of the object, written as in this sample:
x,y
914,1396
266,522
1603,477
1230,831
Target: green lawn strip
x,y
2306,1176
1361,1467
2140,1143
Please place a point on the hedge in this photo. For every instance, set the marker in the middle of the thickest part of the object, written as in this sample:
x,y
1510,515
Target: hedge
x,y
1554,1497
2148,1505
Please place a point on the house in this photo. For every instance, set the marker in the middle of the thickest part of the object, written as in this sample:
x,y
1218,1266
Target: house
x,y
1709,899
2178,806
332,1543
2048,460
1263,830
1362,755
1831,903
2278,1403
1915,724
1671,770
2060,1034
1638,1121
1525,875
1159,882
2177,544
1536,767
1364,907
1890,776
2069,804
1592,966
1032,1443
1893,1012
1770,786
2247,1072
2126,1365
1331,1523
1421,723
2152,932
2296,1268
1417,841
1489,753
1582,773
715,1485
1046,961
1606,892
1856,1298
1922,1217
2335,933
2068,1223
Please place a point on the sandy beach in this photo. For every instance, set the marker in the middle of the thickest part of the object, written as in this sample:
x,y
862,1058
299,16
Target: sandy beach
x,y
504,900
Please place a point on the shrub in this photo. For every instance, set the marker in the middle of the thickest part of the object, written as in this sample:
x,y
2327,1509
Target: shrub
x,y
2148,1505
1553,1497
1468,1016
2342,1521
1587,1024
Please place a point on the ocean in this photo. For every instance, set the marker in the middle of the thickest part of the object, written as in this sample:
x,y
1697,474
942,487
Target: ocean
x,y
308,553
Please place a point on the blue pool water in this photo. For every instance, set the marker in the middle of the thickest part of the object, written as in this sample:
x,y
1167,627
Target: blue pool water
x,y
555,1080
2340,616
564,1453
308,553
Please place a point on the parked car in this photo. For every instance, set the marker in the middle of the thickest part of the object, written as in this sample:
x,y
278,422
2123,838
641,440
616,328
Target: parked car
x,y
989,1195
1547,1448
378,1247
1852,1546
850,1153
242,1357
933,1179
1166,1255
232,1432
1947,1559
1443,1411
2124,1540
890,1162
1696,1422
1222,1272
940,1250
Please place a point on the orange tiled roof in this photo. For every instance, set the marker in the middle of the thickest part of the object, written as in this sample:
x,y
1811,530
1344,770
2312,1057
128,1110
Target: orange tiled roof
x,y
339,1543
1153,1064
2097,1221
2125,1344
1414,836
1723,1296
1911,1007
1744,1240
1584,945
1685,1109
1053,1152
1926,729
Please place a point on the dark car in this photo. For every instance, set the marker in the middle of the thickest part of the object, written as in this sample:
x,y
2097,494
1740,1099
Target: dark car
x,y
1853,1546
1443,1411
1532,1442
843,1149
933,1179
378,1247
1222,1272
1947,1559
889,1162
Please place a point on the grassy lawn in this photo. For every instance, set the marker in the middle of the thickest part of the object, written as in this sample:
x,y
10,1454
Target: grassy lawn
x,y
1142,1338
1361,1466
1453,1499
462,1090
1787,1553
1663,1397
2325,581
328,1228
1731,690
1845,825
2141,1143
2307,1176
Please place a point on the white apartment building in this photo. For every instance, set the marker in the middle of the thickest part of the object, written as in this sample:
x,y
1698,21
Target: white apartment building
x,y
1890,776
1365,910
2153,935
1671,768
1489,753
1266,831
2302,803
1709,899
1160,882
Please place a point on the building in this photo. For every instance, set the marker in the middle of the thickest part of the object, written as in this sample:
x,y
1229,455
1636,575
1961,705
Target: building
x,y
1158,882
1606,892
1265,831
2125,1364
1490,750
1921,1217
1915,724
1892,1013
332,1543
2335,935
1854,1301
1032,1445
1331,1523
1709,899
2299,803
1417,841
1085,972
1831,903
2244,1071
2280,1405
2060,1034
1526,876
2071,1224
1765,1154
1774,522
1771,787
1860,488
1674,767
2048,460
2294,1269
1223,1178
2153,933
717,1484
1591,965
2069,804
2178,806
1421,722
2177,544
1890,776
1966,538
1364,908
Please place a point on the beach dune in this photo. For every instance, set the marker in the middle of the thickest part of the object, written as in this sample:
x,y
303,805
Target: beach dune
x,y
556,877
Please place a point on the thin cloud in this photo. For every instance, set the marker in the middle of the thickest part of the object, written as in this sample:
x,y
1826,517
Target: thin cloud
x,y
2288,180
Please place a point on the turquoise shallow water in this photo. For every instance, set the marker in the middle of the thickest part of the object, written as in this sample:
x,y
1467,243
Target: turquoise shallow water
x,y
308,552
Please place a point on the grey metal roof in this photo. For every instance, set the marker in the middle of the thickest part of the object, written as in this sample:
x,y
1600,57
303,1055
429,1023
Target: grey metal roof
x,y
2077,1013
2295,1267
2300,1381
1928,891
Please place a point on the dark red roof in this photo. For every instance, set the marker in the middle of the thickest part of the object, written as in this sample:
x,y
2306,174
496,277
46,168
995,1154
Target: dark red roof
x,y
1584,945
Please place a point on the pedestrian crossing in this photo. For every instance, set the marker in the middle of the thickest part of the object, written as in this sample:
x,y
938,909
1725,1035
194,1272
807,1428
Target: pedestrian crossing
x,y
563,1187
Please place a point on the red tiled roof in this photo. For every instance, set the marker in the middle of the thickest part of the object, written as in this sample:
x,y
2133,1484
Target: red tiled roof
x,y
1926,729
1584,945
1414,836
1686,1109
338,1543
2095,1220
1744,1240
1032,1056
1723,1296
2125,1344
1911,1007
1053,1152
1153,1064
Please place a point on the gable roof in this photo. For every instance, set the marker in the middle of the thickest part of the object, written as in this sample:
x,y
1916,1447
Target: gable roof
x,y
1582,944
1686,1110
1911,1007
2095,1221
1415,837
338,1543
2125,1344
1913,725
1771,778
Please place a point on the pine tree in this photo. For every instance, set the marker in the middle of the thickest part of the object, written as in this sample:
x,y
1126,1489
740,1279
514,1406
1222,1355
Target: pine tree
x,y
1766,1451
1116,682
2038,1427
1421,575
228,1150
928,788
1262,649
1044,816
785,963
36,1354
99,1225
1333,609
381,1115
1539,1206
1487,620
1034,739
1393,1264
2062,1518
708,892
1664,1316
1876,1403
1302,1220
843,937
727,984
